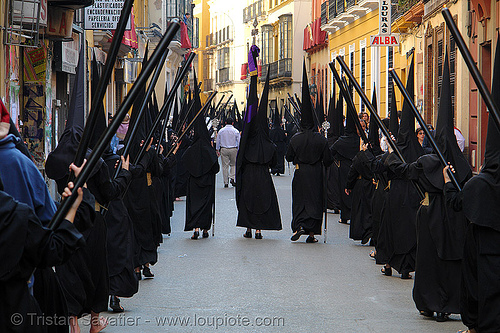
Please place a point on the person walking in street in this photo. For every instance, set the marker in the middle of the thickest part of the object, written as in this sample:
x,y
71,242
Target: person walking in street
x,y
227,143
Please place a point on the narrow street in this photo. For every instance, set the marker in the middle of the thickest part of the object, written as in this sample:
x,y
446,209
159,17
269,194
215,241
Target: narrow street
x,y
232,284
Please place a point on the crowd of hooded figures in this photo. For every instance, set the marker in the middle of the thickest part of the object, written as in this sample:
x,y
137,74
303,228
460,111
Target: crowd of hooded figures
x,y
449,239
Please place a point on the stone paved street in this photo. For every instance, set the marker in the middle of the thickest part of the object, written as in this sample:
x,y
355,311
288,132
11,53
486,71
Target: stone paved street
x,y
269,285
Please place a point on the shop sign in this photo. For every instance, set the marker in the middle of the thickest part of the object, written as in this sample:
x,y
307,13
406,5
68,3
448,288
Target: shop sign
x,y
104,15
60,22
384,40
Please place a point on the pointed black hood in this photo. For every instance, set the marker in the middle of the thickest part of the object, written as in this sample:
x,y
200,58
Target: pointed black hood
x,y
407,140
58,161
347,145
200,157
445,131
332,131
307,118
394,121
100,125
320,110
483,191
134,117
373,137
260,148
491,163
175,116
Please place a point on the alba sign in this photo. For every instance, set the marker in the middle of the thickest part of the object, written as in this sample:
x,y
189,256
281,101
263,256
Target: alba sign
x,y
384,40
384,37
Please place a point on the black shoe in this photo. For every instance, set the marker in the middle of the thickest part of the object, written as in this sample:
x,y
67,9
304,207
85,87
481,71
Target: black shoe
x,y
297,235
114,304
233,183
226,186
258,235
336,211
429,314
387,271
138,275
343,222
405,276
196,234
311,239
247,234
147,272
441,317
205,234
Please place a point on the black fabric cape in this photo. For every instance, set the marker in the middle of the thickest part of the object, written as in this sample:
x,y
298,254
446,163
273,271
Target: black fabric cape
x,y
334,132
309,152
25,245
139,206
360,182
202,165
404,200
440,238
258,203
84,277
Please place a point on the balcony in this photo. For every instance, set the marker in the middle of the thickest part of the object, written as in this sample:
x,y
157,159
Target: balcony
x,y
252,11
281,69
343,12
406,14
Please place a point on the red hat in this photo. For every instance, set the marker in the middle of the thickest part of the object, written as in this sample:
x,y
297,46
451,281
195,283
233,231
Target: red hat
x,y
4,121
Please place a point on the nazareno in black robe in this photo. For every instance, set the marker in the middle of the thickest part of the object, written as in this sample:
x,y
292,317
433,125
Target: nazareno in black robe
x,y
440,238
380,233
138,202
479,201
201,163
309,151
404,200
334,132
120,243
258,203
360,182
26,245
84,277
343,151
278,137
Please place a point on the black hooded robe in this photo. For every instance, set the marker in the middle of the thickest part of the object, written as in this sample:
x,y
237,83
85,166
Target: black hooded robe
x,y
309,152
85,278
440,239
258,205
26,245
278,137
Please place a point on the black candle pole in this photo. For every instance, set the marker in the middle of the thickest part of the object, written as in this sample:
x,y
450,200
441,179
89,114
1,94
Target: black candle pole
x,y
423,126
471,64
108,134
102,85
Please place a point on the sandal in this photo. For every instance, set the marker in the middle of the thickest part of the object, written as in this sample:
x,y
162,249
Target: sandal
x,y
297,234
373,253
311,239
387,271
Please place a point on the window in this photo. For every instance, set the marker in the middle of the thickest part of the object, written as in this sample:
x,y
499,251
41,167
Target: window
x,y
267,44
223,58
453,73
390,83
227,32
362,73
285,36
196,33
